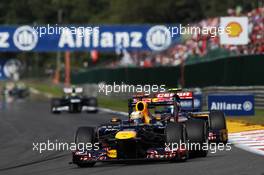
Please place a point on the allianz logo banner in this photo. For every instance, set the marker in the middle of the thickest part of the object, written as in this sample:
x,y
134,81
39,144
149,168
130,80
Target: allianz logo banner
x,y
84,38
10,68
232,105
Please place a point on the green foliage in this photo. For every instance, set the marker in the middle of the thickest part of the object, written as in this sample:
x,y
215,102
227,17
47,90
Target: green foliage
x,y
113,103
115,11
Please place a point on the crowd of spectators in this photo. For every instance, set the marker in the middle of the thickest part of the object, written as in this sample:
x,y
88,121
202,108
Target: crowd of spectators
x,y
199,46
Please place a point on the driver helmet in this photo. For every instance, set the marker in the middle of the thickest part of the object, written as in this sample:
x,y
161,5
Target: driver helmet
x,y
136,117
73,93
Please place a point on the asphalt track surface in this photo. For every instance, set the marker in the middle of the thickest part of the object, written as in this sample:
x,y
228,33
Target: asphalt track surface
x,y
23,123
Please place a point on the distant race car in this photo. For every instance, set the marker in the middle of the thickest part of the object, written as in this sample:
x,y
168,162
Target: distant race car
x,y
74,101
155,123
16,90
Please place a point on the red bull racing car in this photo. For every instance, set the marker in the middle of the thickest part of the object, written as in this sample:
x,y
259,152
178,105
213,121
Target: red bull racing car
x,y
156,129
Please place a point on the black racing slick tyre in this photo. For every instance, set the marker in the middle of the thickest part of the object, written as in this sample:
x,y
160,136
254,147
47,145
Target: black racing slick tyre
x,y
175,133
83,136
217,122
92,101
197,131
55,103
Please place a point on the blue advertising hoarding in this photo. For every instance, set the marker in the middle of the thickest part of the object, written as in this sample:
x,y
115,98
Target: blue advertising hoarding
x,y
232,105
84,38
187,104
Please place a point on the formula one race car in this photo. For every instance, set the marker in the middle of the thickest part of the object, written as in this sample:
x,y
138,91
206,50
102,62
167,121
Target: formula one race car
x,y
156,129
74,102
16,90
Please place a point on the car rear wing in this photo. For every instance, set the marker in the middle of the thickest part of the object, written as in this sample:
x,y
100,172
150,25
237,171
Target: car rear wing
x,y
166,98
186,100
73,90
162,98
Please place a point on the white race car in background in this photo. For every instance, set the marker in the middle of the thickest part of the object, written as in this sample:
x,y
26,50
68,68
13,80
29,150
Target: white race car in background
x,y
16,90
74,101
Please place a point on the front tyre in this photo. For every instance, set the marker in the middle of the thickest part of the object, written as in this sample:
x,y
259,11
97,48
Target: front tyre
x,y
92,102
197,131
54,104
83,136
176,134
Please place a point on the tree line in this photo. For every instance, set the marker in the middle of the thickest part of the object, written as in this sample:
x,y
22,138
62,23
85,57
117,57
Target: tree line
x,y
115,11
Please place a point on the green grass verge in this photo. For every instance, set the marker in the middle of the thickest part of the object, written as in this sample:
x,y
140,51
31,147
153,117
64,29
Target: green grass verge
x,y
45,87
54,90
113,103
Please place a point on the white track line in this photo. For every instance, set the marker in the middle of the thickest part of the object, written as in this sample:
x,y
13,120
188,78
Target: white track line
x,y
252,141
113,112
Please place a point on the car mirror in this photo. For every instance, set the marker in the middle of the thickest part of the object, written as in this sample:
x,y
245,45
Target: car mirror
x,y
115,120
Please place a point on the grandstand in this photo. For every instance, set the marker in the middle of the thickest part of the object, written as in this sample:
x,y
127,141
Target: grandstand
x,y
199,48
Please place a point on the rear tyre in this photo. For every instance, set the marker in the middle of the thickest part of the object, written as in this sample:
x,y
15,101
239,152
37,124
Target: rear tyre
x,y
85,135
176,133
217,122
197,131
55,103
92,101
93,111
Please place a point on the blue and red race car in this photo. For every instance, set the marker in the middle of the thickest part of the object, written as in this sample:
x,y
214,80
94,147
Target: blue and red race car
x,y
156,129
